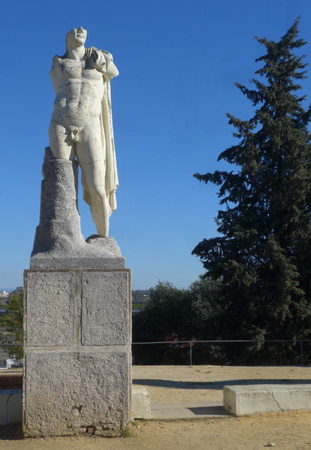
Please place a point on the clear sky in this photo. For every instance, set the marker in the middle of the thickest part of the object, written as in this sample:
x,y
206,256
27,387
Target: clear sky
x,y
178,61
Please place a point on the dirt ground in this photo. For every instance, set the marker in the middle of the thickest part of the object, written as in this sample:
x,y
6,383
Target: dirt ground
x,y
286,430
173,384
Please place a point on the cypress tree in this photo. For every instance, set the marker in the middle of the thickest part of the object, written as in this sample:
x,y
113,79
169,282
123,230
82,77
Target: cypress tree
x,y
263,252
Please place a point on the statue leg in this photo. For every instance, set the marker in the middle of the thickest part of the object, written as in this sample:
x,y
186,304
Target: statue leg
x,y
93,181
60,144
100,215
90,152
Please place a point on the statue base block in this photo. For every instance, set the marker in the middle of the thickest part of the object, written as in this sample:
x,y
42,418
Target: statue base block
x,y
77,368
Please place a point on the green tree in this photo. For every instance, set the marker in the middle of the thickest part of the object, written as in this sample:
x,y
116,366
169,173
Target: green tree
x,y
263,252
12,323
174,314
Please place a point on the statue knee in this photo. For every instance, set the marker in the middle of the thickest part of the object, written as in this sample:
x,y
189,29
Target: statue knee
x,y
98,194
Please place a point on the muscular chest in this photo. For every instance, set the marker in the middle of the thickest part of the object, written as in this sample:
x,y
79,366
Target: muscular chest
x,y
71,69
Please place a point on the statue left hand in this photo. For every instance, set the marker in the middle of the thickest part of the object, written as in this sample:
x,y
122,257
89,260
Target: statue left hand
x,y
95,58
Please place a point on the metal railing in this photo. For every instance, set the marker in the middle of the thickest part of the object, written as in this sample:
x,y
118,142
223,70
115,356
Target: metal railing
x,y
191,344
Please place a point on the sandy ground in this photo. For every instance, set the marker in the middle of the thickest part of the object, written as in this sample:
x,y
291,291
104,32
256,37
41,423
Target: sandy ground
x,y
173,384
286,430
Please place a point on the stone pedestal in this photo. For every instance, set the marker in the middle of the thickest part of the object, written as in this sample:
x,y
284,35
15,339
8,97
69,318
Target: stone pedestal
x,y
77,320
77,369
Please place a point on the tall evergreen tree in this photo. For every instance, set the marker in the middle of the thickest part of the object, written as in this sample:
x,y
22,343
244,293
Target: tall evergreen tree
x,y
263,253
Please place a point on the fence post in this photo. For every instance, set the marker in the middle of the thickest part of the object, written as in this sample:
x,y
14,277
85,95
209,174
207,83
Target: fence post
x,y
190,345
301,352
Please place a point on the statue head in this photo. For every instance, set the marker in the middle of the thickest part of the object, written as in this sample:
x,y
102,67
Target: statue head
x,y
76,37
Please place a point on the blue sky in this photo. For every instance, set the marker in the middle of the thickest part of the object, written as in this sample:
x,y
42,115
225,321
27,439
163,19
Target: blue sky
x,y
178,62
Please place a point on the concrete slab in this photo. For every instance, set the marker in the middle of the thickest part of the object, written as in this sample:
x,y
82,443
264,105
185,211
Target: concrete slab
x,y
10,406
244,400
140,403
256,399
187,410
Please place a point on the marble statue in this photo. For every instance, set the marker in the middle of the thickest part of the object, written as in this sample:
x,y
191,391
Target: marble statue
x,y
77,291
81,125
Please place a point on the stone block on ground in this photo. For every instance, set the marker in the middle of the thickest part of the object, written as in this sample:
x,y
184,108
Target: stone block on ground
x,y
65,392
10,406
244,400
141,408
77,344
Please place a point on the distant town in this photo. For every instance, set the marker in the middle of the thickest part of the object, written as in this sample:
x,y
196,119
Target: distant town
x,y
6,293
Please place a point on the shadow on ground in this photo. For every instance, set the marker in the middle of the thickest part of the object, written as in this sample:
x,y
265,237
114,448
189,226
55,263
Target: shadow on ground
x,y
217,385
209,411
11,432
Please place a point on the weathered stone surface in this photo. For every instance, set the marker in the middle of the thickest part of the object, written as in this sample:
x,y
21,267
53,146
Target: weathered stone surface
x,y
88,259
58,242
242,400
59,227
65,392
108,245
50,308
105,308
77,368
141,408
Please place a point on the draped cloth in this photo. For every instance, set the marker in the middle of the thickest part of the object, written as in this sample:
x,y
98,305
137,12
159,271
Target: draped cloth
x,y
107,138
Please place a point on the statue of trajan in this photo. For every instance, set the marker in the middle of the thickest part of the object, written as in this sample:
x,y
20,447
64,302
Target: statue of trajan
x,y
81,125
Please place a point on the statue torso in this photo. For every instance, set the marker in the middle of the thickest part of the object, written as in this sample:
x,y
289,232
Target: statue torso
x,y
79,91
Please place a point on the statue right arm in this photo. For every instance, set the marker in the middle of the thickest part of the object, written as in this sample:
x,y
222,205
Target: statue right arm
x,y
55,74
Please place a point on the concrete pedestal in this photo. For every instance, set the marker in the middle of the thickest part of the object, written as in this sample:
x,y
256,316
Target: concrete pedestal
x,y
77,368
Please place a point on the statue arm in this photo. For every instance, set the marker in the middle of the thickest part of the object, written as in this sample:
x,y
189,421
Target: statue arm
x,y
103,62
55,74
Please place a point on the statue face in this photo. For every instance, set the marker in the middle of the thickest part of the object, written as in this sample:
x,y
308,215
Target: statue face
x,y
76,37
